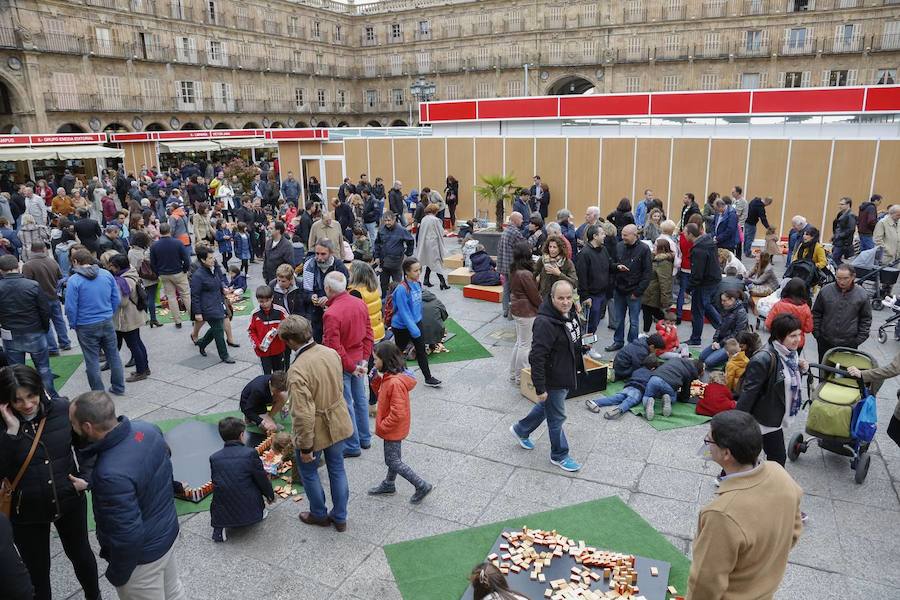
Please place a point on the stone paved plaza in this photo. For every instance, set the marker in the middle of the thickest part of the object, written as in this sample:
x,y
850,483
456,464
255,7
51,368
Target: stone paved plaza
x,y
460,441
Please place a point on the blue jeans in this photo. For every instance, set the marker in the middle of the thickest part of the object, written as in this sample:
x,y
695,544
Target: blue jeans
x,y
34,344
656,387
866,242
357,398
749,236
372,229
622,303
151,299
683,279
553,410
59,329
504,299
93,337
713,358
598,307
701,304
628,397
337,477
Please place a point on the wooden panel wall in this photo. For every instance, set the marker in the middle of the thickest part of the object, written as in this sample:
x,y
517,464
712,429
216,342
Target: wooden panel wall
x,y
520,159
289,157
807,179
334,177
431,156
334,149
406,163
382,163
851,171
653,169
488,161
768,169
887,174
551,160
357,158
727,165
583,173
460,156
617,172
137,154
688,173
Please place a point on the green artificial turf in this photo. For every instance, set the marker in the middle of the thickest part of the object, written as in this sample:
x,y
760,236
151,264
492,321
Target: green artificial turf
x,y
247,306
437,567
462,346
184,507
64,366
683,415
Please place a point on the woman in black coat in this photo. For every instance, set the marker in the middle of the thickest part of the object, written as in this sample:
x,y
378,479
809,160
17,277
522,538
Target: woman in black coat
x,y
52,488
621,217
208,302
451,196
773,382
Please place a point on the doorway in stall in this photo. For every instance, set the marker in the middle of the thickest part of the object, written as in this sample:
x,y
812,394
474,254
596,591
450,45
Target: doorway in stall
x,y
329,170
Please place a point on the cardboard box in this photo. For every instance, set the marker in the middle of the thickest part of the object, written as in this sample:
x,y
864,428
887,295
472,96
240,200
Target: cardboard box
x,y
592,381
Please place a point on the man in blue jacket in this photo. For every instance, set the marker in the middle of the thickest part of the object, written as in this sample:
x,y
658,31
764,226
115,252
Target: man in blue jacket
x,y
92,297
171,262
131,486
290,189
725,226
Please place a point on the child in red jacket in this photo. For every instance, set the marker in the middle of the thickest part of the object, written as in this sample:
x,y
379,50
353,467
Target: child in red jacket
x,y
716,397
392,419
263,330
668,329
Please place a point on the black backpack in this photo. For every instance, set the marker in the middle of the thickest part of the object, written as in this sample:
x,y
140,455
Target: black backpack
x,y
141,294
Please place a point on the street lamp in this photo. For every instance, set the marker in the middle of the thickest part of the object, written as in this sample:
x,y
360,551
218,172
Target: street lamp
x,y
422,91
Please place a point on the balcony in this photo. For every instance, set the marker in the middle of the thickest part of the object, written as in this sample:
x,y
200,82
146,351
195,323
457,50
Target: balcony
x,y
633,55
635,14
189,57
301,66
272,27
422,36
279,105
753,49
481,29
60,43
798,47
717,50
367,41
589,19
676,12
110,49
716,8
755,7
154,52
281,65
222,105
453,31
59,102
886,41
512,26
845,44
253,63
671,53
555,22
247,23
297,32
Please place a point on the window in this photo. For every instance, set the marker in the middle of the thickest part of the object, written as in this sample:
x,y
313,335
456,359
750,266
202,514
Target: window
x,y
484,57
483,90
423,62
555,52
750,81
671,83
176,9
294,26
709,81
634,47
672,44
222,97
321,98
397,97
589,14
798,5
796,40
890,37
371,98
110,93
885,76
483,23
341,98
65,91
396,32
317,29
424,30
839,78
633,83
212,11
792,79
369,68
396,64
514,52
711,43
299,98
453,60
186,49
150,88
104,40
215,52
846,38
370,34
514,88
555,16
338,33
189,95
753,40
514,21
148,46
588,49
452,91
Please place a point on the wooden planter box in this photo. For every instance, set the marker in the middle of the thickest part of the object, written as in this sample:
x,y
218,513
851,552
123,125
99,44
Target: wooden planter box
x,y
592,381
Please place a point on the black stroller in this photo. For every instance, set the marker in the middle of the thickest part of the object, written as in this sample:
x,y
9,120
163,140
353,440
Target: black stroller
x,y
811,275
876,279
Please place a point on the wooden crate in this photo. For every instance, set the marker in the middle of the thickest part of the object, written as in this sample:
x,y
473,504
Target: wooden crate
x,y
593,380
454,261
460,276
488,293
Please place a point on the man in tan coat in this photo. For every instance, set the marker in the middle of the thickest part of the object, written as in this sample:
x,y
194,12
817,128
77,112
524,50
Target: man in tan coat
x,y
746,533
320,421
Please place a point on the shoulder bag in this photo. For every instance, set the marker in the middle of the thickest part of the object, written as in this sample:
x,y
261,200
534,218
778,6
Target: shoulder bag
x,y
7,488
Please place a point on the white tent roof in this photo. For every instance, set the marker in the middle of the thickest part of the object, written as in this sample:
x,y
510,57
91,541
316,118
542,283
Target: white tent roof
x,y
189,146
22,153
86,151
242,143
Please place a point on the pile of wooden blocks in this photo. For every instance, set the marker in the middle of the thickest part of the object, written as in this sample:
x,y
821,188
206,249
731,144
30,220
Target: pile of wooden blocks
x,y
535,549
285,491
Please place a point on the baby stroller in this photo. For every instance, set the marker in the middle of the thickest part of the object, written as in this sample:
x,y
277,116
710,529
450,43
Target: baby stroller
x,y
811,275
874,277
833,409
893,303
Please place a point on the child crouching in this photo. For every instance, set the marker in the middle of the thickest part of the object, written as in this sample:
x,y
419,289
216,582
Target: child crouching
x,y
239,482
392,420
716,397
630,396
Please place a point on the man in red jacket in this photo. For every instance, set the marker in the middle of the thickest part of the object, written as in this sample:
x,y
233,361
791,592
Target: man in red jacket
x,y
348,330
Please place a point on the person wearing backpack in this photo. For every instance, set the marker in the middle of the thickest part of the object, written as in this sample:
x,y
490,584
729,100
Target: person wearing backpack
x,y
131,314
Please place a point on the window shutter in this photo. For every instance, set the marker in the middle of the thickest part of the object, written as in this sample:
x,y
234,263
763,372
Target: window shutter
x,y
763,80
804,79
781,79
787,41
198,94
812,5
826,74
764,40
851,77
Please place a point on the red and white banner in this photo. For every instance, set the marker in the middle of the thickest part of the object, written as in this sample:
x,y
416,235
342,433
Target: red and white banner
x,y
55,139
214,134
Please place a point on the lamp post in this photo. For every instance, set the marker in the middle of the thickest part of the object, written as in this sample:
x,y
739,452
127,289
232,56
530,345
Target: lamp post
x,y
422,91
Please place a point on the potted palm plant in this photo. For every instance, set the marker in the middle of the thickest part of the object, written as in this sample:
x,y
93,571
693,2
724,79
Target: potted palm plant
x,y
496,191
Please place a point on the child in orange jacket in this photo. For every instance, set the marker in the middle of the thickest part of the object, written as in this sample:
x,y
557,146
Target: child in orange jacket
x,y
392,419
716,397
263,330
668,330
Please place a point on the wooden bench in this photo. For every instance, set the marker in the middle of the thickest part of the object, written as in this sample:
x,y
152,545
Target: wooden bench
x,y
488,293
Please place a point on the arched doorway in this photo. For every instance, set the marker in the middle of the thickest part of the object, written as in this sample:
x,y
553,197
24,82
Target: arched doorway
x,y
251,125
373,123
70,128
190,127
571,85
155,127
343,124
221,125
115,128
302,124
277,125
398,123
5,100
323,124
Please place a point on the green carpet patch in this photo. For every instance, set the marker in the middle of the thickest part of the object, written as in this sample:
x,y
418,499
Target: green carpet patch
x,y
64,366
462,346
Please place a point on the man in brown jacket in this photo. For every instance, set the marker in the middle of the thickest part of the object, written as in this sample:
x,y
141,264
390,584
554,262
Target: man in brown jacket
x,y
744,535
43,269
320,419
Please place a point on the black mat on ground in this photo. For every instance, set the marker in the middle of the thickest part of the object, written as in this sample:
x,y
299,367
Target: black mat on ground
x,y
191,444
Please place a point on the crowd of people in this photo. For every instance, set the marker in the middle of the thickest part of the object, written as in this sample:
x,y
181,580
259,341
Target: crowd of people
x,y
344,305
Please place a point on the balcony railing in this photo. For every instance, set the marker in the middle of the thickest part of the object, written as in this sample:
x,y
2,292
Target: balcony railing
x,y
554,22
633,55
63,44
301,66
588,20
716,8
60,102
797,47
423,35
759,48
845,44
676,12
755,7
282,65
679,53
635,14
367,41
222,105
886,41
512,26
481,29
272,27
718,50
297,32
453,31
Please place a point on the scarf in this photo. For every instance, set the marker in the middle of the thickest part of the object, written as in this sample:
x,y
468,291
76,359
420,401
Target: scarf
x,y
791,360
124,288
558,262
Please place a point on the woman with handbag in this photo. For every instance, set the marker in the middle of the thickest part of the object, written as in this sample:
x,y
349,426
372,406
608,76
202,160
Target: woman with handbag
x,y
41,480
139,257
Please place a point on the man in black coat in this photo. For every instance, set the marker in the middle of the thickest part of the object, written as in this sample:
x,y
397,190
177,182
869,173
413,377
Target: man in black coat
x,y
88,231
239,481
396,202
706,275
555,359
688,210
392,245
278,252
260,393
306,223
634,266
594,268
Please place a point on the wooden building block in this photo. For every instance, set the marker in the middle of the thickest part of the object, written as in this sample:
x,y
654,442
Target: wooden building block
x,y
454,261
488,293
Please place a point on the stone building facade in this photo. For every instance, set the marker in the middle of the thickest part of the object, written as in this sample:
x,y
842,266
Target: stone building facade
x,y
73,65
